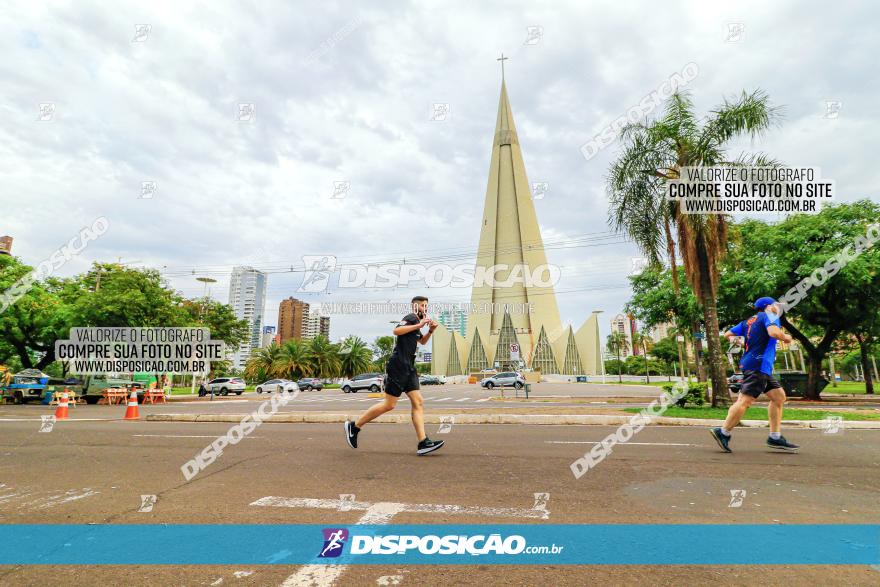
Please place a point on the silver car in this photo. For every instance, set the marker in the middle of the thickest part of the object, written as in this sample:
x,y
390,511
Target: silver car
x,y
505,379
273,385
372,381
224,385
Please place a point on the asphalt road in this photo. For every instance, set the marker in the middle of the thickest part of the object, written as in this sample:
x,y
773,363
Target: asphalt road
x,y
96,471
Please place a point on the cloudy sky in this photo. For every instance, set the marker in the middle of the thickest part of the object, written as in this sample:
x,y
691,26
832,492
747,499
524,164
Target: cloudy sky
x,y
345,92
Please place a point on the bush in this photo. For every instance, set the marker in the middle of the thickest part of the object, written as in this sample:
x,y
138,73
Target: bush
x,y
696,394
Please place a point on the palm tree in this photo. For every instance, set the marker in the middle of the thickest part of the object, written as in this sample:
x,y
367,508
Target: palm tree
x,y
324,357
642,340
355,356
293,360
261,365
617,342
653,154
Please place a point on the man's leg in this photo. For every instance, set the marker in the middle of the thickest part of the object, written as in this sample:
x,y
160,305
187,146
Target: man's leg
x,y
774,413
376,410
418,413
774,410
736,412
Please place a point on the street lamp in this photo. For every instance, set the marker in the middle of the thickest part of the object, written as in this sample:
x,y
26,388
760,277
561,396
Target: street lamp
x,y
599,342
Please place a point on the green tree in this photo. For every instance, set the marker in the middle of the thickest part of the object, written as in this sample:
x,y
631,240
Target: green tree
x,y
355,356
772,259
263,363
38,317
294,360
643,341
653,154
616,343
324,357
382,347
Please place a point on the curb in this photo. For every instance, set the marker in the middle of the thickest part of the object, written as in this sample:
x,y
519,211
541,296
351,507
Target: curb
x,y
537,419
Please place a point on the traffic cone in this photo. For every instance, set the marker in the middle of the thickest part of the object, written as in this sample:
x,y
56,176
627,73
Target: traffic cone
x,y
61,410
131,412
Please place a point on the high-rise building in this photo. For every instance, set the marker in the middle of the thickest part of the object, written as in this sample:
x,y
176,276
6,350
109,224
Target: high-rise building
x,y
5,245
292,317
521,316
454,321
268,335
661,331
625,324
314,325
247,296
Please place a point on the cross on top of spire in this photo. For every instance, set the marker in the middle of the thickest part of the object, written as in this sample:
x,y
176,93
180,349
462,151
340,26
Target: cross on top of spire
x,y
502,59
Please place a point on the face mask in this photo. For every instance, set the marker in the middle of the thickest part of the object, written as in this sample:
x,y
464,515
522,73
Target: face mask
x,y
771,315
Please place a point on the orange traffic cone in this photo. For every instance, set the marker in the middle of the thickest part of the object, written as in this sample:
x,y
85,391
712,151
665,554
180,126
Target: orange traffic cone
x,y
131,412
61,410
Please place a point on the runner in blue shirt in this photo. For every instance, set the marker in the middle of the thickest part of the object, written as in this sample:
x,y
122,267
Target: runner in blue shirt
x,y
759,333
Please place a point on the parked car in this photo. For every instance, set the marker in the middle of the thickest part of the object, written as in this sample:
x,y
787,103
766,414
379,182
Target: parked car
x,y
310,383
224,385
372,381
734,382
504,379
430,380
274,385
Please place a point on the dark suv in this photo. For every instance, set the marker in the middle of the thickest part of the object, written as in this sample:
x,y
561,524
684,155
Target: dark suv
x,y
310,383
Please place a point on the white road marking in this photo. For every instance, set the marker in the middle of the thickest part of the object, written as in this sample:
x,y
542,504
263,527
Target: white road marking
x,y
443,399
377,513
485,399
464,399
52,503
305,502
322,575
638,443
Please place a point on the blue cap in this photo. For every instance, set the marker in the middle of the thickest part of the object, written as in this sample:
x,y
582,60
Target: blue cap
x,y
762,303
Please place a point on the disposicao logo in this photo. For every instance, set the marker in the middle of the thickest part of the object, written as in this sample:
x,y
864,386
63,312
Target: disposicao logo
x,y
334,540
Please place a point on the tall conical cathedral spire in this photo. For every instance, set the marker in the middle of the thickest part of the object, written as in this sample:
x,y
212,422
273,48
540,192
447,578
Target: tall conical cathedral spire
x,y
510,237
511,268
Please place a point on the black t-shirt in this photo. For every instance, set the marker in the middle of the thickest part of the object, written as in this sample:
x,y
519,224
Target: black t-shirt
x,y
405,344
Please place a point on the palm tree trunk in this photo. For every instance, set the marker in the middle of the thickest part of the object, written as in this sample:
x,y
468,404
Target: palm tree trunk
x,y
698,353
720,392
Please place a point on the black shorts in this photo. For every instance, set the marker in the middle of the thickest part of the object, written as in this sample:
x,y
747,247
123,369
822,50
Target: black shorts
x,y
400,378
754,383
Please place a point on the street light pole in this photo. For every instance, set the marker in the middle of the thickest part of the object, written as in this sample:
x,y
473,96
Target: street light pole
x,y
206,281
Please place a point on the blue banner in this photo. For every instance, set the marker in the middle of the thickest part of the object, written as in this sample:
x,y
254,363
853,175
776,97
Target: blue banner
x,y
440,544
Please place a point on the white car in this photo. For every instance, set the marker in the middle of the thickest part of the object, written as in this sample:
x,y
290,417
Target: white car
x,y
274,385
505,379
224,385
372,381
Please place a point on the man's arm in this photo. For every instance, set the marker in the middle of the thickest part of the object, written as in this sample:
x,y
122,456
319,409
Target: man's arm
x,y
403,328
777,333
427,337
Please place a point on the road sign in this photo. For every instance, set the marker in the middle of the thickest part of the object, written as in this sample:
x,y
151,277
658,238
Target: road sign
x,y
514,351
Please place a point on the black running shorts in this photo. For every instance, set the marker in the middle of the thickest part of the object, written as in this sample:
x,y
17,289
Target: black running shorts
x,y
754,383
400,378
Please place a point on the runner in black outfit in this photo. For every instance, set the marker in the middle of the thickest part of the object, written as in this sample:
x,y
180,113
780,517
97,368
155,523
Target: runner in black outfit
x,y
401,377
